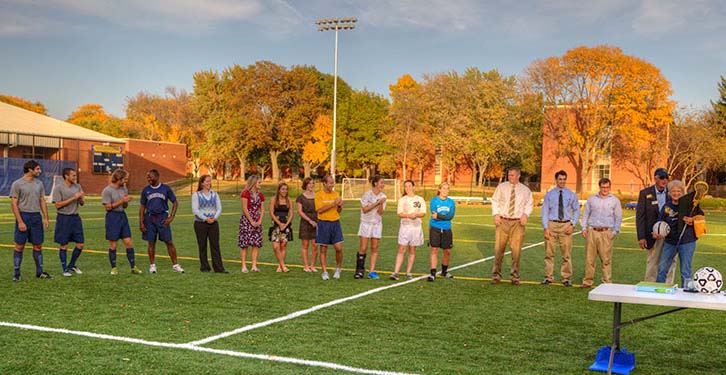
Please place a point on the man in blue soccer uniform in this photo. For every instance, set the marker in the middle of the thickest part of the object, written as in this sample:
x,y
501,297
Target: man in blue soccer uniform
x,y
155,219
68,226
27,201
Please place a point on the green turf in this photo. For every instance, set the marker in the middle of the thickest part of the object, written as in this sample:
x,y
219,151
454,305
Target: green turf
x,y
455,326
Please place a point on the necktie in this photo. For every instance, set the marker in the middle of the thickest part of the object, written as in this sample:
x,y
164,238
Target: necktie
x,y
512,199
560,209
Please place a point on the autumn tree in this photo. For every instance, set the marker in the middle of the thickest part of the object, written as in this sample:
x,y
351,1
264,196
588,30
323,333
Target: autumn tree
x,y
36,107
408,136
695,146
94,117
598,100
362,128
719,106
317,147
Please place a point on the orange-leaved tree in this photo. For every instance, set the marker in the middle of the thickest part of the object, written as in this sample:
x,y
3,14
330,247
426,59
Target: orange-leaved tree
x,y
315,152
600,102
36,107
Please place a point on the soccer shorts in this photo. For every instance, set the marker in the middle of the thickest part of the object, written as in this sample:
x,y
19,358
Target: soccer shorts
x,y
410,235
441,238
117,226
370,230
155,228
34,232
329,233
68,228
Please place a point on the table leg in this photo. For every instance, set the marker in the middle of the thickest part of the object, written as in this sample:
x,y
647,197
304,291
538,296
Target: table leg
x,y
616,335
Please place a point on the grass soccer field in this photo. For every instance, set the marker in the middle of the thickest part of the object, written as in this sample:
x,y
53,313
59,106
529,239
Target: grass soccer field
x,y
275,323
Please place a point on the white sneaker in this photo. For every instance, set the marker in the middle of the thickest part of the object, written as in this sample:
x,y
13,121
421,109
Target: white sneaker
x,y
76,270
177,268
336,275
325,276
67,274
152,268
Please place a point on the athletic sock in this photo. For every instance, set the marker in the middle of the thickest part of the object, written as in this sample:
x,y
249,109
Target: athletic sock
x,y
63,254
74,256
17,260
444,267
112,257
433,272
38,258
131,257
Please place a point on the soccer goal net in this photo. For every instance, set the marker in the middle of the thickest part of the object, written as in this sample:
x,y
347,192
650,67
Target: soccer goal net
x,y
353,188
57,180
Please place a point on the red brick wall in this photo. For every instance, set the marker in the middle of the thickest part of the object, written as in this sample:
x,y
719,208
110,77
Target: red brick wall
x,y
170,159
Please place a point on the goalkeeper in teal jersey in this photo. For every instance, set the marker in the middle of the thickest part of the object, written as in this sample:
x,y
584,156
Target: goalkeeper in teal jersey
x,y
442,212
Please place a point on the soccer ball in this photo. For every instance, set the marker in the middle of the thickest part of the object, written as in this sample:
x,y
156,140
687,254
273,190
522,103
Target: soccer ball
x,y
661,228
707,280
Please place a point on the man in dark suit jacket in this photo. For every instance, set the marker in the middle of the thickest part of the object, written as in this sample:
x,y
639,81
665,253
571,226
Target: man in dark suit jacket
x,y
650,202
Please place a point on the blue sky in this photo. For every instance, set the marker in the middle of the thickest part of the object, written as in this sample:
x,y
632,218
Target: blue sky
x,y
65,53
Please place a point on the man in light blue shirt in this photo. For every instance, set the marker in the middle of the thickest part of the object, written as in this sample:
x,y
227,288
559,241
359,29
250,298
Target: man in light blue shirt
x,y
560,213
601,220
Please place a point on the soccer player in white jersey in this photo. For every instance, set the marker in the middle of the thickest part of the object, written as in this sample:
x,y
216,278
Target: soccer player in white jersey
x,y
411,208
372,205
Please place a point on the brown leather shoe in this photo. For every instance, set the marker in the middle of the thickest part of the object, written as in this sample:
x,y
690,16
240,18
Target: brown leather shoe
x,y
495,281
515,282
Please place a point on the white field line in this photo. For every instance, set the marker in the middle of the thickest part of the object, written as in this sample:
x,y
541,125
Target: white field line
x,y
329,365
297,314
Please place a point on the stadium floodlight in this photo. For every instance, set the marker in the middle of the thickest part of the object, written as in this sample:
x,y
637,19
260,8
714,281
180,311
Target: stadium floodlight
x,y
336,24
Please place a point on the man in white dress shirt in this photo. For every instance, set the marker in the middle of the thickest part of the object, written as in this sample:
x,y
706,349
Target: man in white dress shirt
x,y
511,206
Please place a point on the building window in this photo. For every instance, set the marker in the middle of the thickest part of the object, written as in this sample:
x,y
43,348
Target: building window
x,y
602,171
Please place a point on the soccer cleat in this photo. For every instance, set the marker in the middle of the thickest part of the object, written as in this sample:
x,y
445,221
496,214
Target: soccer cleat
x,y
409,276
325,276
336,274
567,283
431,278
67,274
447,276
44,275
152,268
358,275
373,275
114,271
393,277
177,268
76,270
136,271
16,278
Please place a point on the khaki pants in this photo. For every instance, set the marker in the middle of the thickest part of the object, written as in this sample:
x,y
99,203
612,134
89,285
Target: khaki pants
x,y
600,244
512,232
651,265
558,237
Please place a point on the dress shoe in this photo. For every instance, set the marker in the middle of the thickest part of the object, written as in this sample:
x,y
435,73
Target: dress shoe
x,y
567,283
546,282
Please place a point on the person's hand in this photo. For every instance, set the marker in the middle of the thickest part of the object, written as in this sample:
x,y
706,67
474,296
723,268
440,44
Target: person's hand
x,y
570,228
688,220
210,220
22,227
643,243
142,227
584,233
523,220
546,234
168,221
497,220
127,198
45,223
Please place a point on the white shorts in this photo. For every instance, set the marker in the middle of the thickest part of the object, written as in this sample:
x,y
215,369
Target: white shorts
x,y
370,230
410,235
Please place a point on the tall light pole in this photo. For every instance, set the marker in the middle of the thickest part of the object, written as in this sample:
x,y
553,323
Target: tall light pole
x,y
335,24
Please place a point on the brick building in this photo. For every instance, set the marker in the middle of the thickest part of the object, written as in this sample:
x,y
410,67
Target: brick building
x,y
29,135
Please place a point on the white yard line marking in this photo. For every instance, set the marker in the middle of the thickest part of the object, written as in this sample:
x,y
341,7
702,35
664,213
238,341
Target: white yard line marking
x,y
304,312
297,361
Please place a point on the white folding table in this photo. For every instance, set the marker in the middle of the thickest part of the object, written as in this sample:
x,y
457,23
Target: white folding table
x,y
621,293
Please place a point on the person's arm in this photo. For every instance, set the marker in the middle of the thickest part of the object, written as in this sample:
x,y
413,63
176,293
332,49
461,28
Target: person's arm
x,y
381,205
302,214
171,217
618,213
195,207
585,218
367,204
274,217
77,196
44,209
218,210
262,214
545,213
142,209
16,211
245,209
640,226
290,213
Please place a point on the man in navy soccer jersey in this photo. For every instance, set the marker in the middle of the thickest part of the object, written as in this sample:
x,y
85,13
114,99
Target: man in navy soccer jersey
x,y
155,219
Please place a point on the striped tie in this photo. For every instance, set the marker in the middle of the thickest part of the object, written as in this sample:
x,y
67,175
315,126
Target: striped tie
x,y
512,200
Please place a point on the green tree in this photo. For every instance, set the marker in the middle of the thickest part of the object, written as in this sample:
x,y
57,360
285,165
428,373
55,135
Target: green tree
x,y
362,129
